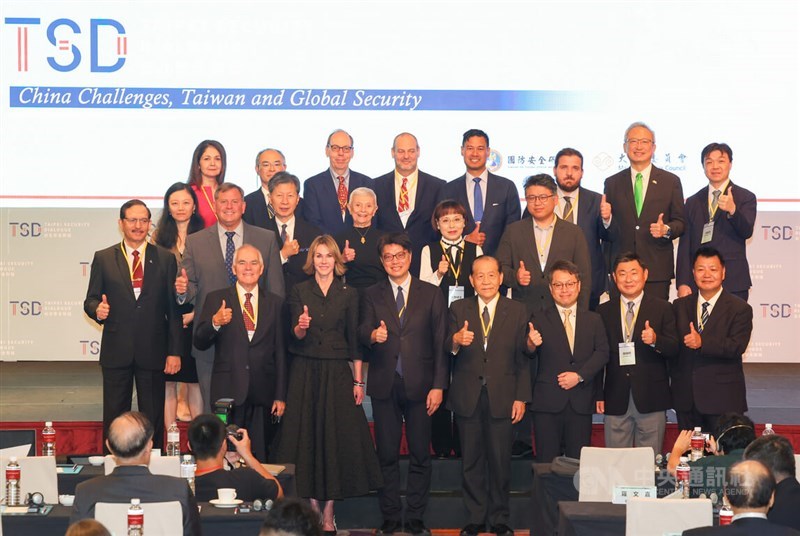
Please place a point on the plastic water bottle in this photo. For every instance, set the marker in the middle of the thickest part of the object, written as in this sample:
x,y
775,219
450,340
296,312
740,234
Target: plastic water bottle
x,y
698,444
682,475
135,519
173,440
48,440
13,475
725,515
187,470
768,429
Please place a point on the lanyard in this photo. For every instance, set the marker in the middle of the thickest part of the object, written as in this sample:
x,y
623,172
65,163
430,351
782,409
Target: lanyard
x,y
628,327
547,240
450,261
125,254
208,200
486,328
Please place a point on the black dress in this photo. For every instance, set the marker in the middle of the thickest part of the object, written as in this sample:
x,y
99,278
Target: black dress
x,y
324,433
366,269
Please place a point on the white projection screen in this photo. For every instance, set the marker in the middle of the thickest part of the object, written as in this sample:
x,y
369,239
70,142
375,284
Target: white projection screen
x,y
105,101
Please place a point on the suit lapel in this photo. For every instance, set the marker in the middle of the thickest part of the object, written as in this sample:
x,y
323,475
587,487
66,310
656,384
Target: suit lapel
x,y
555,243
555,318
500,313
124,270
627,193
150,269
214,245
237,313
261,320
389,305
392,208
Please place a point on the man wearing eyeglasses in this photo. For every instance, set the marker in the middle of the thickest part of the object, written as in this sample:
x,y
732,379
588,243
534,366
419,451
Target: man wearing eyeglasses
x,y
259,210
325,195
404,322
131,295
646,212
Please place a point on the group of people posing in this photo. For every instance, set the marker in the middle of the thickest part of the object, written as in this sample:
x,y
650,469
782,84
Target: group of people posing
x,y
473,316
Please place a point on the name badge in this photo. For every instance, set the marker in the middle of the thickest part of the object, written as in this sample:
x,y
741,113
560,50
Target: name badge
x,y
627,354
708,232
455,292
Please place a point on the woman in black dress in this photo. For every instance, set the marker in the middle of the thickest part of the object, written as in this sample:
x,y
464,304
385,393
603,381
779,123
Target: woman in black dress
x,y
359,244
325,432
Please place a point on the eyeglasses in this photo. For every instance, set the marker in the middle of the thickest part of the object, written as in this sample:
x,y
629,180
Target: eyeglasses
x,y
344,148
444,220
388,257
537,198
134,221
569,285
639,141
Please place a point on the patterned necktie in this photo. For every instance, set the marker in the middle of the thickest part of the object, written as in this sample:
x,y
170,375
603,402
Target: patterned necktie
x,y
714,203
478,200
568,329
401,313
486,322
270,211
638,194
138,270
703,318
284,234
568,209
230,249
341,192
402,206
629,322
249,314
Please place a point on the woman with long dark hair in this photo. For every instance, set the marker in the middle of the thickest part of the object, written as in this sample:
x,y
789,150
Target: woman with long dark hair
x,y
206,173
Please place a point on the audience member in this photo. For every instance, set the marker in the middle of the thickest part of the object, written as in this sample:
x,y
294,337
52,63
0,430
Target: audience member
x,y
777,453
291,517
87,527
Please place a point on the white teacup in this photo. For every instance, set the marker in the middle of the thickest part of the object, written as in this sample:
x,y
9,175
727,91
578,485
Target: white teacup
x,y
226,495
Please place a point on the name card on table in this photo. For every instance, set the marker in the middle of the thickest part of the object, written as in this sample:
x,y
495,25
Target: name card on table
x,y
621,494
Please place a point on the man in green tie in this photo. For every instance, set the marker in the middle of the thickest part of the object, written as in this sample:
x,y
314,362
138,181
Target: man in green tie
x,y
645,209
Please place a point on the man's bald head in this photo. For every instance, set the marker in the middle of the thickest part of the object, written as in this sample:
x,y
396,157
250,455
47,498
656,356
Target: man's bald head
x,y
130,438
750,486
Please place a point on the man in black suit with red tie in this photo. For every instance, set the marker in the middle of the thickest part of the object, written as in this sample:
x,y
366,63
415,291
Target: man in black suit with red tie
x,y
646,210
404,322
244,323
131,295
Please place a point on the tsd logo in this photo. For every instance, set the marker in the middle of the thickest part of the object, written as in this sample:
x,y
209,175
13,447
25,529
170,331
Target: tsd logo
x,y
107,38
25,308
90,347
776,310
85,267
26,229
779,232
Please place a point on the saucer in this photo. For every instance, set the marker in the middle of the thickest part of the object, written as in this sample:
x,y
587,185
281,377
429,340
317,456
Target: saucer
x,y
220,504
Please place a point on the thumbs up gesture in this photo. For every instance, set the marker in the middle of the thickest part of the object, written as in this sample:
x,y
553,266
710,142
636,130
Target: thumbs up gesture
x,y
726,202
464,336
223,315
476,236
441,270
380,334
693,339
648,334
523,275
290,249
102,309
605,208
304,320
181,282
534,337
348,253
658,229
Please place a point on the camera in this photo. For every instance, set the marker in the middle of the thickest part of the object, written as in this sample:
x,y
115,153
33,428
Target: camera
x,y
233,431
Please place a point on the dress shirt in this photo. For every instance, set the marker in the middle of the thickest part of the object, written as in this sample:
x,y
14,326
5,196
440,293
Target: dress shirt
x,y
645,179
129,255
265,192
484,177
754,515
637,301
711,191
238,238
711,303
412,192
335,178
406,286
241,291
573,198
544,237
289,231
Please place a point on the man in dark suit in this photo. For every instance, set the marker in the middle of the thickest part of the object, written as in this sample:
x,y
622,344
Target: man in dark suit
x,y
635,394
571,348
750,489
585,208
720,218
488,392
714,327
130,440
492,201
259,211
777,453
131,295
404,323
646,210
208,266
245,325
407,197
326,194
529,248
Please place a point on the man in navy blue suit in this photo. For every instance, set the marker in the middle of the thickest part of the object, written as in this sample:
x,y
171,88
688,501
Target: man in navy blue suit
x,y
259,211
325,194
719,216
492,201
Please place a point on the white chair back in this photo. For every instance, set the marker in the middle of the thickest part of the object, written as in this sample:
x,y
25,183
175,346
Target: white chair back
x,y
37,473
656,517
159,465
603,468
160,518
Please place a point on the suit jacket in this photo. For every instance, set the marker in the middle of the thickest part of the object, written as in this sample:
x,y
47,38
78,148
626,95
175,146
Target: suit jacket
x,y
786,509
240,363
420,340
555,357
304,233
747,526
519,244
503,365
205,267
430,190
627,232
501,207
255,213
143,331
128,481
648,379
729,238
321,207
711,377
591,224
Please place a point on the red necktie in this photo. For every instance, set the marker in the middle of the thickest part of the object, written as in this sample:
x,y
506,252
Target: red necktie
x,y
138,271
402,206
342,193
249,315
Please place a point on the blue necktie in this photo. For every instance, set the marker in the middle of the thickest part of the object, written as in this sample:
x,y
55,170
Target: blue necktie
x,y
478,200
401,314
230,249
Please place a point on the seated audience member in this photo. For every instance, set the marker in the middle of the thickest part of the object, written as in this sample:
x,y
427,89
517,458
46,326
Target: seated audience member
x,y
733,434
207,440
87,527
130,440
776,452
291,517
750,490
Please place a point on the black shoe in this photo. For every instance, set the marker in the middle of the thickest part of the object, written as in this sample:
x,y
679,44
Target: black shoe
x,y
417,528
472,530
502,530
389,527
521,449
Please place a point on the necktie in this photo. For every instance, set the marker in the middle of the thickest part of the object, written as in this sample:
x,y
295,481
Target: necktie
x,y
401,313
568,209
714,203
249,314
230,249
568,329
638,196
284,234
342,193
703,318
138,271
455,256
270,211
477,200
629,321
486,326
402,206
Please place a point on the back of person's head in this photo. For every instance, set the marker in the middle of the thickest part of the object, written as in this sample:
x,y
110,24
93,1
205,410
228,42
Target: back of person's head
x,y
87,527
206,435
734,432
291,517
129,436
749,485
774,451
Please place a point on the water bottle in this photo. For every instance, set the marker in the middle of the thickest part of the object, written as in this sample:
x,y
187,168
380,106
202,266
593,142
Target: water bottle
x,y
187,470
135,519
698,444
768,429
48,440
682,476
725,515
173,440
13,474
